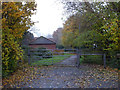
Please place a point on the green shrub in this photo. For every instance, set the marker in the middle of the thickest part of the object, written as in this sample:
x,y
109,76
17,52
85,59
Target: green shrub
x,y
112,59
43,52
81,59
93,59
114,62
60,46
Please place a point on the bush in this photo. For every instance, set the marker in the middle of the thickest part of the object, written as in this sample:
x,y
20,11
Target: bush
x,y
81,59
112,59
114,63
60,46
92,59
11,54
43,52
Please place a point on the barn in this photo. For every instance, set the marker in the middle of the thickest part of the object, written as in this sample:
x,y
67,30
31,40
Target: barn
x,y
43,42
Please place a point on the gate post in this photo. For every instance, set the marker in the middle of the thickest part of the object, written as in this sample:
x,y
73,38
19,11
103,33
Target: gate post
x,y
52,56
78,57
28,56
104,56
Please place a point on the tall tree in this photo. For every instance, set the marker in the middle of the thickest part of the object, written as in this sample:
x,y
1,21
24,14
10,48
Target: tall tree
x,y
15,21
94,16
57,36
27,38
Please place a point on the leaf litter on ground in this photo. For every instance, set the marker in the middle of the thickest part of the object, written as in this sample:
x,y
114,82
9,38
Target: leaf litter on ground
x,y
86,76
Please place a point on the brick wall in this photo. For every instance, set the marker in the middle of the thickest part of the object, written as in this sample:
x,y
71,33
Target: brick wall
x,y
45,46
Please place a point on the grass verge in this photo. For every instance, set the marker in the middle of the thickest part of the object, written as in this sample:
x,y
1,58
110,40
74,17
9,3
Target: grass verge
x,y
50,61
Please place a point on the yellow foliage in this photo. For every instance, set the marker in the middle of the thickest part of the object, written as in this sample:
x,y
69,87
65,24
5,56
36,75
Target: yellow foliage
x,y
15,21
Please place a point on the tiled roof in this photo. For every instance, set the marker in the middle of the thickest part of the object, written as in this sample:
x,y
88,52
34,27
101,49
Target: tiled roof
x,y
51,39
41,41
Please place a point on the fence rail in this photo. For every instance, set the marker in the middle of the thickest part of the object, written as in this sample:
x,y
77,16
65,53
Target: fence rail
x,y
36,54
45,54
80,53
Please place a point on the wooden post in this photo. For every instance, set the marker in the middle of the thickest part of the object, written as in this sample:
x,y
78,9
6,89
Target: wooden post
x,y
28,56
104,60
78,57
52,56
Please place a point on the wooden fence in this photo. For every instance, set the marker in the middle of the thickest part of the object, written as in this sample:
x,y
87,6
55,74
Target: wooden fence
x,y
80,53
34,54
39,54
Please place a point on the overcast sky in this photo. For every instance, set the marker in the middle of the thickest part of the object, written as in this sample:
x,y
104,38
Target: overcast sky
x,y
48,17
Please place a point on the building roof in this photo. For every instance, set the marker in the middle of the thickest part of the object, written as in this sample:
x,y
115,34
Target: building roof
x,y
42,41
52,39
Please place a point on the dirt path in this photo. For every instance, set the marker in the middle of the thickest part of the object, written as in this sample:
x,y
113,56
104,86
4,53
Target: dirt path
x,y
71,61
87,76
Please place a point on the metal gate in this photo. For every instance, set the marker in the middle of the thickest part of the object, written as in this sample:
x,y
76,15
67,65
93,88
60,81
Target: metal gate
x,y
58,57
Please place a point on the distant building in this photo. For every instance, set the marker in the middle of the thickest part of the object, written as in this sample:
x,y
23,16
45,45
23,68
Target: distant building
x,y
43,42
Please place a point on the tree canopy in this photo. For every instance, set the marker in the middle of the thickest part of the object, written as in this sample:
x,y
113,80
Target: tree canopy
x,y
92,24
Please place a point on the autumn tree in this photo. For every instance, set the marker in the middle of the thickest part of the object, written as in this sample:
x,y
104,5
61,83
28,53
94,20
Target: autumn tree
x,y
93,16
15,21
99,25
27,38
57,37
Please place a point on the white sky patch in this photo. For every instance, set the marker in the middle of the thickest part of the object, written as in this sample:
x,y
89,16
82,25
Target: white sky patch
x,y
48,17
